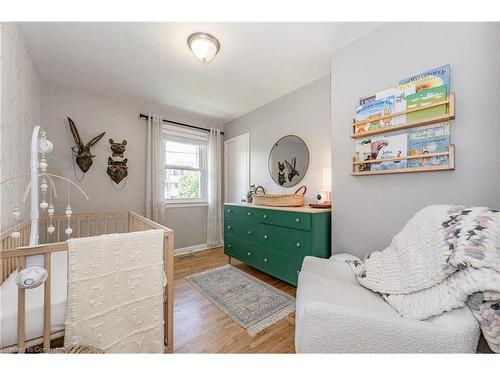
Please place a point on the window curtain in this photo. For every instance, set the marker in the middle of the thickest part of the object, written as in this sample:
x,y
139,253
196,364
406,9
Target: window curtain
x,y
214,222
154,168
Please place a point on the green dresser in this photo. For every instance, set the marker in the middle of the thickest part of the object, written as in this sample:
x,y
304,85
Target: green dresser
x,y
276,240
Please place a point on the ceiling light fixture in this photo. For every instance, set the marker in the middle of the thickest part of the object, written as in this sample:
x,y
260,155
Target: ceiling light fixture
x,y
204,46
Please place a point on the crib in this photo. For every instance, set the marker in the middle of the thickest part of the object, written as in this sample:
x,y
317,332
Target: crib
x,y
13,255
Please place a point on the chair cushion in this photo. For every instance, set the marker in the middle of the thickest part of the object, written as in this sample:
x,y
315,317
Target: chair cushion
x,y
318,288
315,287
334,268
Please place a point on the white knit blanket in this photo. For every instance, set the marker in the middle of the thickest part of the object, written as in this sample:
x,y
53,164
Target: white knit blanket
x,y
444,257
115,292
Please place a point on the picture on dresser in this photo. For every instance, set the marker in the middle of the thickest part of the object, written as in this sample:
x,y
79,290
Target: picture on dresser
x,y
288,161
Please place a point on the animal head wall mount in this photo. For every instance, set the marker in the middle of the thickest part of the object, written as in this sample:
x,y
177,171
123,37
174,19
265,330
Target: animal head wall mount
x,y
82,151
292,169
118,148
117,170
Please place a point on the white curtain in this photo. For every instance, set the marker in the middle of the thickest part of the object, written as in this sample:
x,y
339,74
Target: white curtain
x,y
214,222
154,168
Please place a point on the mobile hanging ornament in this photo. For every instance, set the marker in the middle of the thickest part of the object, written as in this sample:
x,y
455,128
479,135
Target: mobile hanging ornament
x,y
34,272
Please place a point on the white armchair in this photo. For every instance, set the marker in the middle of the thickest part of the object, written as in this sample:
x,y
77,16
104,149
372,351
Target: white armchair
x,y
335,314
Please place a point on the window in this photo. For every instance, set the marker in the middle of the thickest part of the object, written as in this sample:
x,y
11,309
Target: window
x,y
185,167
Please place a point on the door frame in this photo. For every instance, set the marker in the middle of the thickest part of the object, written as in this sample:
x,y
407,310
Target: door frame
x,y
245,137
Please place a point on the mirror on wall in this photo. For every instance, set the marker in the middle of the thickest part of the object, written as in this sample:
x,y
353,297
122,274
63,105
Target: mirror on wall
x,y
288,161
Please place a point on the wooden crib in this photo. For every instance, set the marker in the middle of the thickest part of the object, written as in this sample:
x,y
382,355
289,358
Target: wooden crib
x,y
13,255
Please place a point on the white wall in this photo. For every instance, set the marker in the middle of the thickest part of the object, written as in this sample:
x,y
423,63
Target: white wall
x,y
369,210
93,113
20,112
305,113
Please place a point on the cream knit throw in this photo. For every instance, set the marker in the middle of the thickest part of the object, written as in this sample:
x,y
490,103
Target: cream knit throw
x,y
444,257
115,292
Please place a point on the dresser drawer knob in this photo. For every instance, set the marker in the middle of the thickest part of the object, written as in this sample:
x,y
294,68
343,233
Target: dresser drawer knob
x,y
229,227
264,216
265,236
265,260
298,272
297,220
229,246
249,213
229,211
298,244
249,232
249,253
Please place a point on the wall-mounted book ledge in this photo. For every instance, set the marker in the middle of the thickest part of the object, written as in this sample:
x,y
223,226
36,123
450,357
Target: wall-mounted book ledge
x,y
359,167
358,131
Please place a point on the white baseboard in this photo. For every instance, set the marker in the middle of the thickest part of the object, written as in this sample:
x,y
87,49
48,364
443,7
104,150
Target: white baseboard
x,y
194,249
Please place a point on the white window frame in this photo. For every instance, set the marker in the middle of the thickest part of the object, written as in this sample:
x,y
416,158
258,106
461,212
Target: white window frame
x,y
188,136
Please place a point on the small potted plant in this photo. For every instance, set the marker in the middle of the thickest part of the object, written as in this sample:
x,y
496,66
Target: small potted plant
x,y
253,190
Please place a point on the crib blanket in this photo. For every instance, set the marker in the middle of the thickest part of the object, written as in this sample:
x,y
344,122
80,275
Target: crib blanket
x,y
115,292
445,257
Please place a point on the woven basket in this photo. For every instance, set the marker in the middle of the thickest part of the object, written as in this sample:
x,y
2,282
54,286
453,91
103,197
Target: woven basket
x,y
281,200
76,349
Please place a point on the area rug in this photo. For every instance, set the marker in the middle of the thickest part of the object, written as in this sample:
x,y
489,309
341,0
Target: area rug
x,y
251,303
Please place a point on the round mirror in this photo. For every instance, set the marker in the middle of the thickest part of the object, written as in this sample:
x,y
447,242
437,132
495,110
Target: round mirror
x,y
288,161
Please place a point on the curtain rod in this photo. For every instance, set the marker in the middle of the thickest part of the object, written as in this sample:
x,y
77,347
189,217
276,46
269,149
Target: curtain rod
x,y
180,123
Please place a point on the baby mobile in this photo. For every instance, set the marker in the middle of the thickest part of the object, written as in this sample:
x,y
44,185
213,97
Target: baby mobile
x,y
35,274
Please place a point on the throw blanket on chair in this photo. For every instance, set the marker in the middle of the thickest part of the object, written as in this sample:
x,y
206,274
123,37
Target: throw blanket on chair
x,y
444,257
115,292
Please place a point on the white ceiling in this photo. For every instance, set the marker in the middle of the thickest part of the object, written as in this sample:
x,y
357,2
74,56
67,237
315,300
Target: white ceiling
x,y
257,63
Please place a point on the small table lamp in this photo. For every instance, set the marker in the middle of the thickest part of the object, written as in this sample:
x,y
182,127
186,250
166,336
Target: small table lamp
x,y
324,197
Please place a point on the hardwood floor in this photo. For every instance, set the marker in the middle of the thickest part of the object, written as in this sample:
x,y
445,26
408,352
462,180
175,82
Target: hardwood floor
x,y
200,327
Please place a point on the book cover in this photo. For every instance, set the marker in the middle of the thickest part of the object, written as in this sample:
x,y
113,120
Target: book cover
x,y
428,140
399,94
373,111
382,148
432,78
425,98
393,146
363,152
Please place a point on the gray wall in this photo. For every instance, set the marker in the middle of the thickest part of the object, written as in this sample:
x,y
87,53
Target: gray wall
x,y
94,113
304,112
20,112
369,210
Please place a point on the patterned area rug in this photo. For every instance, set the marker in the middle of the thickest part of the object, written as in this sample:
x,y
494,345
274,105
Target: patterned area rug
x,y
251,303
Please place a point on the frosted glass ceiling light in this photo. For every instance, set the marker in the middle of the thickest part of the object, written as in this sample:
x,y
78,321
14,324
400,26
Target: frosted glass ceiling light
x,y
204,46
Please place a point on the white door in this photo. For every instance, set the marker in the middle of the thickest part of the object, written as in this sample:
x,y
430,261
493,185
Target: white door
x,y
236,168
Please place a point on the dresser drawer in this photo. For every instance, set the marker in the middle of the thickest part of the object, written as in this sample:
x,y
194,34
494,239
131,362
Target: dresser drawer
x,y
296,220
245,251
285,267
246,230
239,213
289,241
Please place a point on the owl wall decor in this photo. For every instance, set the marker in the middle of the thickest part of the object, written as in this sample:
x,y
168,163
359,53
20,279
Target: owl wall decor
x,y
117,170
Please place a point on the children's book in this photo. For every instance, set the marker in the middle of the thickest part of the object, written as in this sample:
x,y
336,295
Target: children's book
x,y
373,111
393,146
428,140
377,96
382,148
363,152
424,98
432,78
399,94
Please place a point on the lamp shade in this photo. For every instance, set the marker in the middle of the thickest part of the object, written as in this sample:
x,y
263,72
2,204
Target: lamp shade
x,y
327,179
204,46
